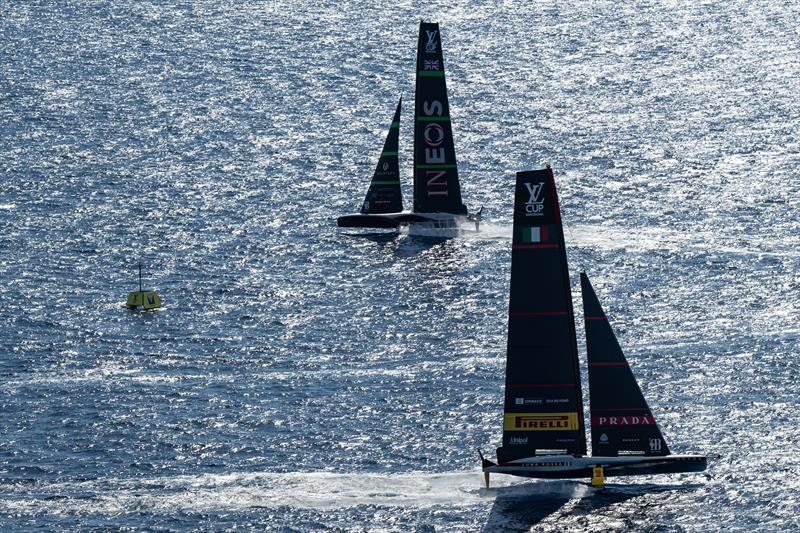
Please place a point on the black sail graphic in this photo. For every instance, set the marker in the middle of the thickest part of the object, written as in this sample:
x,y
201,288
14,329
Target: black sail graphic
x,y
543,401
436,187
620,417
384,195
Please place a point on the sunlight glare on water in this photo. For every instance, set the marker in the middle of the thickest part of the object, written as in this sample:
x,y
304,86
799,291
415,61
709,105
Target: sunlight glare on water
x,y
302,377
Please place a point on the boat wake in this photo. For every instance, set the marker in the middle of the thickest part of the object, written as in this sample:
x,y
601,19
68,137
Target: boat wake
x,y
645,240
487,232
238,492
498,232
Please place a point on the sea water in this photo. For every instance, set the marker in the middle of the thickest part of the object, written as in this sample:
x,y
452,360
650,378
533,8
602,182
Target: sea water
x,y
302,378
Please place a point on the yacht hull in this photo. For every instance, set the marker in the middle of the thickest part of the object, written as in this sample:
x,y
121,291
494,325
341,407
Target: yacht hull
x,y
571,466
426,224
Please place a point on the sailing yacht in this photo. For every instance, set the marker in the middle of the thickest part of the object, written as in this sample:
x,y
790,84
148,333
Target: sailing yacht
x,y
438,208
543,420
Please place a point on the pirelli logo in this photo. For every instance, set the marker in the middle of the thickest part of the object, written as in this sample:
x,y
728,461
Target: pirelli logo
x,y
540,422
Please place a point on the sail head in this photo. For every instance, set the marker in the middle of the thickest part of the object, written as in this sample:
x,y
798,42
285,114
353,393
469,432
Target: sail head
x,y
543,409
384,194
436,187
621,420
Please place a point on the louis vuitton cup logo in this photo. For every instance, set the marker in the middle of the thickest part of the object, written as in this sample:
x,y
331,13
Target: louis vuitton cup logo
x,y
655,445
430,46
534,207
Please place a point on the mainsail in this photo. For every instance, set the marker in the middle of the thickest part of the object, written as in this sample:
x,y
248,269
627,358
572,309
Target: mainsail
x,y
621,419
543,401
436,187
384,195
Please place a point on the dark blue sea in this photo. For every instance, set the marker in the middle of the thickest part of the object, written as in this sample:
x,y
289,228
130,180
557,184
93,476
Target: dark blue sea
x,y
301,378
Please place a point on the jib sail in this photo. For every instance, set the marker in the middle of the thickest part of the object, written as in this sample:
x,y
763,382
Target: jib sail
x,y
543,401
620,417
384,195
436,187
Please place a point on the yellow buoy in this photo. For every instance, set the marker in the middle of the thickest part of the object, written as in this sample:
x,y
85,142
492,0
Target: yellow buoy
x,y
598,479
142,298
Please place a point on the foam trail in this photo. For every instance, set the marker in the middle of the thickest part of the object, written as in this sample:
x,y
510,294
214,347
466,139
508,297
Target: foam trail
x,y
648,239
494,231
314,490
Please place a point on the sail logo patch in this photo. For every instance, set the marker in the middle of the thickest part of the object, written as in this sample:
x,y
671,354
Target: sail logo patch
x,y
603,439
534,207
528,401
622,421
434,135
534,234
430,46
516,441
655,445
431,64
540,422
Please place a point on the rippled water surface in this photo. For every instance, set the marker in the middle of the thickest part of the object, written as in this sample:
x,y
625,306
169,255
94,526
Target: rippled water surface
x,y
299,377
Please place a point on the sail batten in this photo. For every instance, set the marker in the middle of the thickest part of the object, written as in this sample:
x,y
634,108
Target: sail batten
x,y
543,400
436,186
384,194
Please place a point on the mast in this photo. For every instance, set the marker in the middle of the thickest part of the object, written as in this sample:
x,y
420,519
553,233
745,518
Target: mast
x,y
384,194
543,402
622,422
436,187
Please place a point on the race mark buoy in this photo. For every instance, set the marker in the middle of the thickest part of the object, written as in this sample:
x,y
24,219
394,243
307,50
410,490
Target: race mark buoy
x,y
141,298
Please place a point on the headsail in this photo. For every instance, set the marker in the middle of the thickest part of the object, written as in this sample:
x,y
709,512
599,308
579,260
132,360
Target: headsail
x,y
384,195
436,187
621,419
543,401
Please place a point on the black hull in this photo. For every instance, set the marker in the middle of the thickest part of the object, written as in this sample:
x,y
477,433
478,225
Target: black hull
x,y
390,220
670,466
658,465
366,221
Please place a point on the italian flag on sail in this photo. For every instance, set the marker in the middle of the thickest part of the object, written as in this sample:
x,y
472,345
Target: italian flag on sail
x,y
531,234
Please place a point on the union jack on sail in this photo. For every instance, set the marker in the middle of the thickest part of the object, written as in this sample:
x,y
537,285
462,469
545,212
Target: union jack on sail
x,y
431,64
